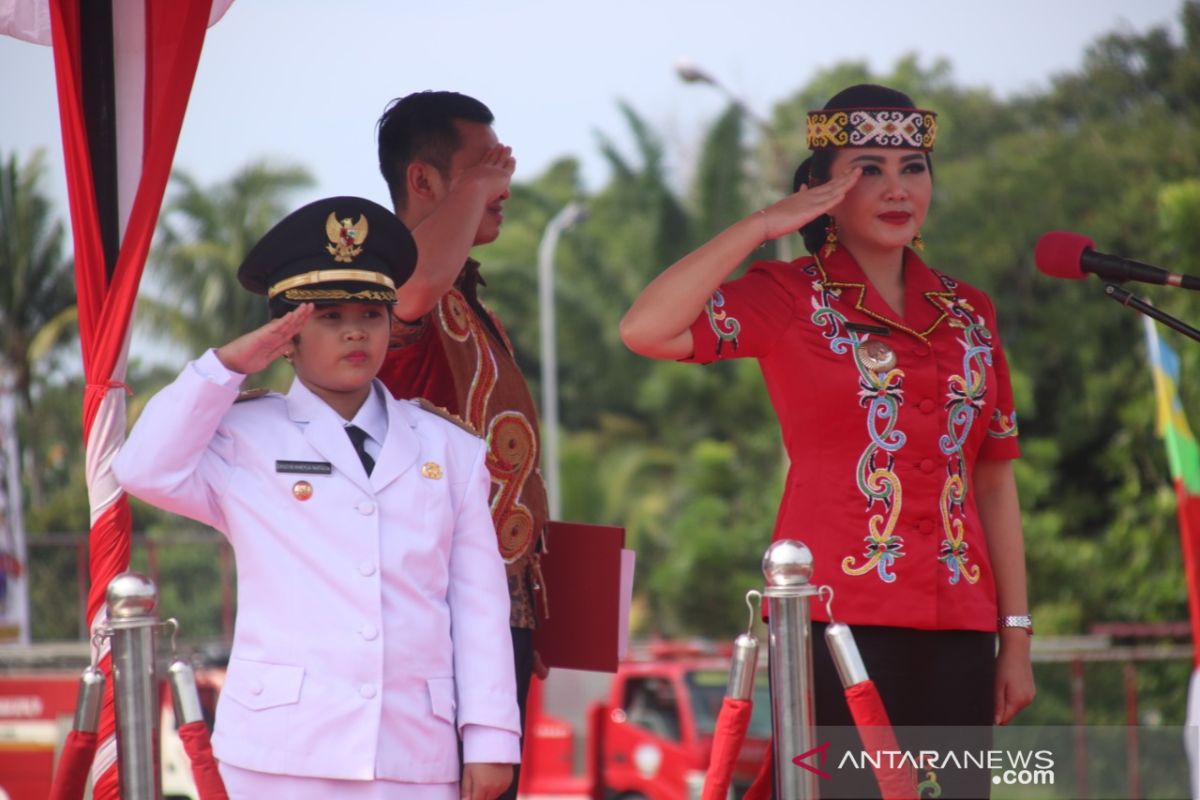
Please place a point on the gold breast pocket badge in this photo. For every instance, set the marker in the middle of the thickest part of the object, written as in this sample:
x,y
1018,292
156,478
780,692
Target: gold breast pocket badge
x,y
432,470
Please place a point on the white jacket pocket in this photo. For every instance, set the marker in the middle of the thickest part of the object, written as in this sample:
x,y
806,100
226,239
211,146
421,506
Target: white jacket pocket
x,y
259,685
441,698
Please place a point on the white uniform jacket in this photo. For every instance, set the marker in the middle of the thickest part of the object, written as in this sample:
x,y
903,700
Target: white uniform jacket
x,y
373,615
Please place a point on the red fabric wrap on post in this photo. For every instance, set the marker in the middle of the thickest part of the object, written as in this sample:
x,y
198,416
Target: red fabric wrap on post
x,y
70,779
174,37
728,738
875,730
204,767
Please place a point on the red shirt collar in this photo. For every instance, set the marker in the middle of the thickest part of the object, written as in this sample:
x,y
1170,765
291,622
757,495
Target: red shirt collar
x,y
926,297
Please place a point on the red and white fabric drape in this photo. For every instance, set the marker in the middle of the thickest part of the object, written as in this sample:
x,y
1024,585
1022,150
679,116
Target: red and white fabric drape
x,y
156,51
172,39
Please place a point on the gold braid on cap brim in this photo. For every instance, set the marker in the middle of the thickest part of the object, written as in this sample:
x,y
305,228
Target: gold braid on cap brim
x,y
331,276
340,296
872,127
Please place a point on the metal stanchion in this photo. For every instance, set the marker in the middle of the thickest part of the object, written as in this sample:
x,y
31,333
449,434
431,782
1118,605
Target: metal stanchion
x,y
132,625
846,657
744,663
89,699
184,696
787,566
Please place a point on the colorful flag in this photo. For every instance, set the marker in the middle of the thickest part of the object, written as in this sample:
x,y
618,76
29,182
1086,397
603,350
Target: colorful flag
x,y
1183,457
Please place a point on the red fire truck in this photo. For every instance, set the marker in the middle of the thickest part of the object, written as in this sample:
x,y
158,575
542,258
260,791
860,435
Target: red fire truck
x,y
38,688
642,734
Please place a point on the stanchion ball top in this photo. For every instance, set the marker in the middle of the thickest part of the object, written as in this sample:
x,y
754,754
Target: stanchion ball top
x,y
787,562
131,595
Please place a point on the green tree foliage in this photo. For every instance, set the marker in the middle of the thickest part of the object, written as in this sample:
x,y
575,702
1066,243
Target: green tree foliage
x,y
37,295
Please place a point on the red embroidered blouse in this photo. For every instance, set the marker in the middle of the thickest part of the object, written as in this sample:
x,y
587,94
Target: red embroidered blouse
x,y
883,419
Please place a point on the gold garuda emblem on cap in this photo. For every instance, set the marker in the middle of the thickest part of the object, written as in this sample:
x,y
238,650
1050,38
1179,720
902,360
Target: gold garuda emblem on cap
x,y
345,239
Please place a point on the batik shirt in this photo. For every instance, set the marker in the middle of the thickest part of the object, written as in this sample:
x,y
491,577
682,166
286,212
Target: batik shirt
x,y
883,417
458,357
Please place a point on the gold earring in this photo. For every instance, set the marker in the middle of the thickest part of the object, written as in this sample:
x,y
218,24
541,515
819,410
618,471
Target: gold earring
x,y
918,243
831,238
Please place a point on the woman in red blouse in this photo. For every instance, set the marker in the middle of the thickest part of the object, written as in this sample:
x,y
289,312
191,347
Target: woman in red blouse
x,y
896,409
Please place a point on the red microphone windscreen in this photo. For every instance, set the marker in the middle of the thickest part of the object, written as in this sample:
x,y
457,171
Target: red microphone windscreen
x,y
1058,252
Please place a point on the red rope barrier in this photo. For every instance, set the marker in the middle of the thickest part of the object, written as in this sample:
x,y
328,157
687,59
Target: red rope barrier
x,y
730,734
764,782
204,767
70,778
875,730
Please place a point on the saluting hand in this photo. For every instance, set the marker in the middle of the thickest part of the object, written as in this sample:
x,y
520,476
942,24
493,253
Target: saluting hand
x,y
492,174
254,351
797,210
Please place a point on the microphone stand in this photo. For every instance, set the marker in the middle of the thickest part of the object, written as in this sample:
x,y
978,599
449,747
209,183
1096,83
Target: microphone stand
x,y
1127,298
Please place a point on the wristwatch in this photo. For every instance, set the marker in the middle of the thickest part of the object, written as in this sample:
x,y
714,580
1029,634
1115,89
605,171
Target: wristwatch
x,y
1017,621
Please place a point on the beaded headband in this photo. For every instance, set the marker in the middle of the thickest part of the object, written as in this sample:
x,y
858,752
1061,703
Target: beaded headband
x,y
872,127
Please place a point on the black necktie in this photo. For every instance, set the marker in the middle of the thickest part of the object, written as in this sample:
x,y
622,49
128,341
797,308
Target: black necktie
x,y
358,437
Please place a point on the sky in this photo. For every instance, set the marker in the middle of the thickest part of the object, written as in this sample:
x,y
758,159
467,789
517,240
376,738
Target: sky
x,y
304,81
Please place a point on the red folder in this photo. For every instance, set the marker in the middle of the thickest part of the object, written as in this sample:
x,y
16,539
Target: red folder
x,y
582,571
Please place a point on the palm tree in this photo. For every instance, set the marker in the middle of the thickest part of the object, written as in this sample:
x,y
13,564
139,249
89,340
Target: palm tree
x,y
721,188
37,294
193,296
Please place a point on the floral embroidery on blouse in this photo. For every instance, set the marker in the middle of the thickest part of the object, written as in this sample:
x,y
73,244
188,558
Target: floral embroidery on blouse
x,y
881,394
1003,425
724,326
965,399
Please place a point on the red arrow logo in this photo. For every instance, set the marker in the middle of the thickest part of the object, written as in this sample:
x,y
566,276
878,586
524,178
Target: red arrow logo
x,y
822,750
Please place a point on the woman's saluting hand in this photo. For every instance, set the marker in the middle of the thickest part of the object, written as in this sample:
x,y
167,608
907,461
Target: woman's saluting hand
x,y
255,351
797,210
658,324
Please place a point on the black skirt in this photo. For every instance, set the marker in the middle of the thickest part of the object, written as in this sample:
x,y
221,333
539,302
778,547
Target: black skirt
x,y
937,688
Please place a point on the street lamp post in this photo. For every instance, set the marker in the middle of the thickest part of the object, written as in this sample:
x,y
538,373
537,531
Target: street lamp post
x,y
690,73
571,214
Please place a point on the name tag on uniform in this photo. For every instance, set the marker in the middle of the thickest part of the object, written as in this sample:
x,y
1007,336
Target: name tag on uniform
x,y
878,330
305,467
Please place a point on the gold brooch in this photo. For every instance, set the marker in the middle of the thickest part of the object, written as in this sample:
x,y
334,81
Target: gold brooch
x,y
345,239
302,490
876,355
431,470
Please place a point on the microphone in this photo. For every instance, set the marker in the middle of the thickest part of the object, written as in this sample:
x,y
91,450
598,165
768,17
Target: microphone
x,y
1062,254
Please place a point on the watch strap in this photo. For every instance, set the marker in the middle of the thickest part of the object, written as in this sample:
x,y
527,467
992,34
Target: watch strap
x,y
1024,621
